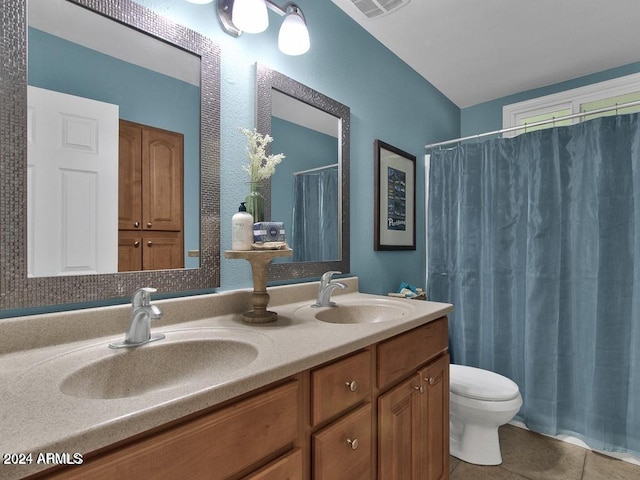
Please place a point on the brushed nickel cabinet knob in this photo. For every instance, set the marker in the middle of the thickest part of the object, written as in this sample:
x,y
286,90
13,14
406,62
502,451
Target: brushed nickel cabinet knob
x,y
352,385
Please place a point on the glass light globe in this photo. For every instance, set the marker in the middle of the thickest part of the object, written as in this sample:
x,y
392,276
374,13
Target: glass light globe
x,y
250,16
293,38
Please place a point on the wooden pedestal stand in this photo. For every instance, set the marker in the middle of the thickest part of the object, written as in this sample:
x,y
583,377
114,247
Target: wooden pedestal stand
x,y
260,260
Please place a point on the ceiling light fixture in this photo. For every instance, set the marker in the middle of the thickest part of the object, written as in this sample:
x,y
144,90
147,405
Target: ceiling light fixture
x,y
251,16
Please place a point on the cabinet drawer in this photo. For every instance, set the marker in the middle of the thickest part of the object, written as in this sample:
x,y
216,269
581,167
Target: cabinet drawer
x,y
288,467
214,446
339,386
343,449
401,355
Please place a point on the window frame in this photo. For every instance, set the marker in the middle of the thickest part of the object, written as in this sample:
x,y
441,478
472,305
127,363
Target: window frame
x,y
513,114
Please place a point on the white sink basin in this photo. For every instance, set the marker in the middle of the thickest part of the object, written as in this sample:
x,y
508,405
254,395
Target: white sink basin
x,y
361,311
184,362
157,366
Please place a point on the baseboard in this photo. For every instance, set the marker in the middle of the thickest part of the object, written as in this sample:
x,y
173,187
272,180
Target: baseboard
x,y
626,457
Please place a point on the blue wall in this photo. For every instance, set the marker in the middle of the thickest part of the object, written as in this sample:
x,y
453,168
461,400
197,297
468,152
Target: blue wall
x,y
388,101
487,117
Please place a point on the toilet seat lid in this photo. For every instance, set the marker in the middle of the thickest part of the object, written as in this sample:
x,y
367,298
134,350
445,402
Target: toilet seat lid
x,y
481,384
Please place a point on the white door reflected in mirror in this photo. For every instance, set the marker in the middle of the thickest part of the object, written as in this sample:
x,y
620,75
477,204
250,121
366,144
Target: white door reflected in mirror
x,y
72,159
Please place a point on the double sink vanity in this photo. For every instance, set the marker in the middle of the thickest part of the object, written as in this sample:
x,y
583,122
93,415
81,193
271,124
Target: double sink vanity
x,y
323,393
359,390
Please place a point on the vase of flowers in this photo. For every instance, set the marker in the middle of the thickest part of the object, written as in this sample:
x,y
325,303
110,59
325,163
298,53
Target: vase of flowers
x,y
254,202
261,166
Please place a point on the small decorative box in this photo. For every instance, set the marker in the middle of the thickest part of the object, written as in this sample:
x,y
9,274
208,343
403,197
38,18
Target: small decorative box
x,y
268,232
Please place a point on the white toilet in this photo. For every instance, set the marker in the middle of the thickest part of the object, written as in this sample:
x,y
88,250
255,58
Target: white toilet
x,y
480,402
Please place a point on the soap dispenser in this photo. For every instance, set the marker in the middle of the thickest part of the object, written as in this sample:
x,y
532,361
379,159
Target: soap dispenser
x,y
242,229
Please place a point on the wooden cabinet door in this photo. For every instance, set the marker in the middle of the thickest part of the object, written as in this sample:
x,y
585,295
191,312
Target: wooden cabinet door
x,y
150,176
129,251
130,177
162,167
435,416
162,250
399,430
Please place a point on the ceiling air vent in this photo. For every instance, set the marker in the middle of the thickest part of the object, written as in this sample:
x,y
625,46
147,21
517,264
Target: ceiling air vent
x,y
378,8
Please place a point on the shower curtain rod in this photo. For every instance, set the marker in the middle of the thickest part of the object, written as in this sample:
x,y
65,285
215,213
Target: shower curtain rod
x,y
535,124
315,169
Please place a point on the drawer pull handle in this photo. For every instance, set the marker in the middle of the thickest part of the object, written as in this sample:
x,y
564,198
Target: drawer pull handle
x,y
136,244
420,388
136,224
352,385
149,224
353,443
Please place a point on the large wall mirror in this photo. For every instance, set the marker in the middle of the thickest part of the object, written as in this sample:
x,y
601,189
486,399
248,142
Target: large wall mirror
x,y
310,188
126,100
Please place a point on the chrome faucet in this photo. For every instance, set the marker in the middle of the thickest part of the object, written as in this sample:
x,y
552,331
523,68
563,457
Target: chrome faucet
x,y
142,313
326,288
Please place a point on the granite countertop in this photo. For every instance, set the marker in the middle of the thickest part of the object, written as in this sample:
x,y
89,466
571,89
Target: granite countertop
x,y
37,353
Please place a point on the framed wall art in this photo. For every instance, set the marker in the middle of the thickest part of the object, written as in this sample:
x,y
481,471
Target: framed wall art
x,y
395,198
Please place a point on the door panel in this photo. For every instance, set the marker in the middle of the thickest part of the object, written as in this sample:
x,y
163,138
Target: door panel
x,y
399,424
130,177
435,441
162,154
72,157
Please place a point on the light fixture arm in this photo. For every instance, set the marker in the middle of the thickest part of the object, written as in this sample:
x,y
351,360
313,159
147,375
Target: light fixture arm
x,y
275,8
225,7
282,11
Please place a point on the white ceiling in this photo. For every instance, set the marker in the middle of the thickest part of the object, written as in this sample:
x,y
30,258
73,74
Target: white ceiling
x,y
474,51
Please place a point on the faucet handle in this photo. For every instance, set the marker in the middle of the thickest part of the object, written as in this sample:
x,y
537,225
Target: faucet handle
x,y
142,297
326,277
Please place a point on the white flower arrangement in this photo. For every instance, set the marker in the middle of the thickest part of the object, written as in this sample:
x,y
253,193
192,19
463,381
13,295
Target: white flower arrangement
x,y
260,165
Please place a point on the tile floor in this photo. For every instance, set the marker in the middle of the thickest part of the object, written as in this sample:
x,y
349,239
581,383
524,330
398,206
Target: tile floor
x,y
530,456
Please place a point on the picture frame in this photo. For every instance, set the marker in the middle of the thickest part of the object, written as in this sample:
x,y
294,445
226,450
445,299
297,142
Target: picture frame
x,y
394,198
